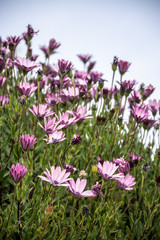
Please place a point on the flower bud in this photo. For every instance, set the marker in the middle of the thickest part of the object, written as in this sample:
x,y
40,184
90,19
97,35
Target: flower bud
x,y
158,181
22,99
94,169
133,200
158,154
85,210
48,210
115,64
76,139
152,182
17,172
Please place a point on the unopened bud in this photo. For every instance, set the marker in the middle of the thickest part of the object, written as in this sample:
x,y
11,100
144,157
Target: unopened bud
x,y
48,210
85,210
76,139
23,99
94,169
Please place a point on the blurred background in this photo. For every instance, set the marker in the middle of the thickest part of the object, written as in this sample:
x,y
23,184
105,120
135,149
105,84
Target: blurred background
x,y
129,29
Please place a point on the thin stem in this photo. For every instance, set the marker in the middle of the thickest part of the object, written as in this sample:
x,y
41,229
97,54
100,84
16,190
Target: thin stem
x,y
65,152
113,79
118,220
11,206
44,228
19,132
73,208
44,155
110,213
38,97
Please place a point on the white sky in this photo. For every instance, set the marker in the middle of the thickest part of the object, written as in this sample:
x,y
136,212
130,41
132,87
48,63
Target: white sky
x,y
129,29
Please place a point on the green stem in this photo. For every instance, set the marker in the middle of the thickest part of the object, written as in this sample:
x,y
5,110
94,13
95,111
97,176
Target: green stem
x,y
118,221
44,228
44,156
113,79
110,213
11,207
65,153
66,229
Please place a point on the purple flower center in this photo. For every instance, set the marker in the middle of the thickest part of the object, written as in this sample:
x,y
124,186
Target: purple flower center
x,y
54,140
55,182
78,194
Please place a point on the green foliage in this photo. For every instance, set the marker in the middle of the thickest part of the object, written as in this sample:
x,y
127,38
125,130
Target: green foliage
x,y
135,215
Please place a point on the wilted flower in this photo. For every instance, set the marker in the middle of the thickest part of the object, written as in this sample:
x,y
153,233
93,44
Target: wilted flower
x,y
57,177
82,173
76,139
123,166
2,81
96,189
134,159
53,45
27,141
17,172
27,36
146,167
26,88
107,169
30,31
100,160
42,112
148,123
123,66
25,64
110,92
84,57
69,168
126,87
78,188
126,182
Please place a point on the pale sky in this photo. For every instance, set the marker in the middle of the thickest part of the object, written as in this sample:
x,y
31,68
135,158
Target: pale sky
x,y
129,29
